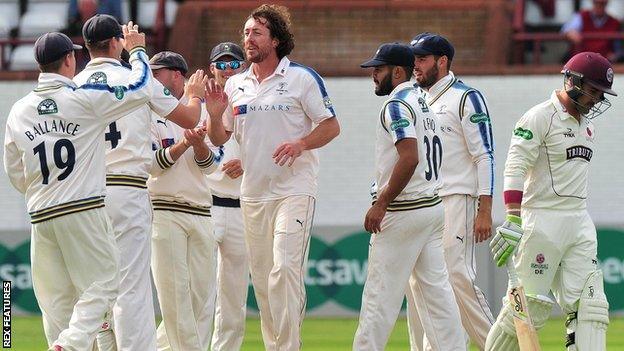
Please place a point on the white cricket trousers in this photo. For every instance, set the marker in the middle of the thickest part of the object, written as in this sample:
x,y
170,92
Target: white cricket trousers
x,y
278,237
557,253
75,276
408,252
184,270
232,279
459,253
133,326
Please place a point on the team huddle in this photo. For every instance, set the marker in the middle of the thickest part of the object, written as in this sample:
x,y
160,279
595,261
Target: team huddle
x,y
131,167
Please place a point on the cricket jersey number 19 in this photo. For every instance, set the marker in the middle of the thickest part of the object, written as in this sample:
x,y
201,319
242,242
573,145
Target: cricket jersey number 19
x,y
66,164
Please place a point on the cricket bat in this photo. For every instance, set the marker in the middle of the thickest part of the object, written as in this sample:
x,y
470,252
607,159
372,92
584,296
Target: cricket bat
x,y
527,336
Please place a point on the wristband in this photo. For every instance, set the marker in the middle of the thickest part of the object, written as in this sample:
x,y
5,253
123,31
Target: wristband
x,y
514,219
200,98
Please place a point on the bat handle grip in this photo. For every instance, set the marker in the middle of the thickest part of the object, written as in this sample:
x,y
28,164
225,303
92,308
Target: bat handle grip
x,y
511,271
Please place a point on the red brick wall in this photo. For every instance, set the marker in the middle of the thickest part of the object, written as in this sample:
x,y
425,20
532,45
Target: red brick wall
x,y
334,37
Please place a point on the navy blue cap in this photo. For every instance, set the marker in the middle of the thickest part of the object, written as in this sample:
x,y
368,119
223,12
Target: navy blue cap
x,y
395,54
432,44
170,60
101,27
52,46
227,49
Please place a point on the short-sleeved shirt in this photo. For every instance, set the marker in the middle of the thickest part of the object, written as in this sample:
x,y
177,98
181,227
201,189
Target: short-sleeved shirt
x,y
284,107
406,115
128,141
549,157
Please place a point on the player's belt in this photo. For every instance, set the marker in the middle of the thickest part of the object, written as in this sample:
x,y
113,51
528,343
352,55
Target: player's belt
x,y
225,202
126,180
65,209
165,205
408,205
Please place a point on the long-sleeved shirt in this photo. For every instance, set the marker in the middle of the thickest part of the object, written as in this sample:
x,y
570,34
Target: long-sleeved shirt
x,y
466,134
53,147
128,140
549,157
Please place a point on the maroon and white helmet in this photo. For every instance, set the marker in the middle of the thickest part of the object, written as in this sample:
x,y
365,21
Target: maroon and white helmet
x,y
591,68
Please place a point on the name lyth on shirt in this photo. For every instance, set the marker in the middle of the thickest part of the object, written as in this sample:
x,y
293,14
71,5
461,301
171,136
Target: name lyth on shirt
x,y
54,125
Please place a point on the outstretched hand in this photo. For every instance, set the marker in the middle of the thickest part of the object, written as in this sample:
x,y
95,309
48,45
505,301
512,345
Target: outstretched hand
x,y
132,38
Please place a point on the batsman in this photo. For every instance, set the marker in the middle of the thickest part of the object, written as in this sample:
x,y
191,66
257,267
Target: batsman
x,y
545,192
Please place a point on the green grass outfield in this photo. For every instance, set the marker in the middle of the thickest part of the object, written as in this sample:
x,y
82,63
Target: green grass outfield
x,y
323,335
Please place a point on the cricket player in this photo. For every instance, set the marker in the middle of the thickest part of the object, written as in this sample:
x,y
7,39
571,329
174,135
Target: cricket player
x,y
406,219
279,112
545,194
54,154
183,245
128,160
228,59
466,171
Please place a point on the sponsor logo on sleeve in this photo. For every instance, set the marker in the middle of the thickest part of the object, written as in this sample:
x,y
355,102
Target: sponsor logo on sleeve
x,y
523,133
119,92
327,102
46,107
480,117
400,123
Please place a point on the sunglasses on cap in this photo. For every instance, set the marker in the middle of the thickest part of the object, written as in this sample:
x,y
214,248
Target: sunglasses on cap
x,y
223,65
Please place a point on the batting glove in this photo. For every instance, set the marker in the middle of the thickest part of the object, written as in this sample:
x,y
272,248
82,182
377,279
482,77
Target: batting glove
x,y
506,239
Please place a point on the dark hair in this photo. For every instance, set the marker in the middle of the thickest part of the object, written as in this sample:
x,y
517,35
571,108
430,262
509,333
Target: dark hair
x,y
448,61
409,71
278,21
54,66
99,46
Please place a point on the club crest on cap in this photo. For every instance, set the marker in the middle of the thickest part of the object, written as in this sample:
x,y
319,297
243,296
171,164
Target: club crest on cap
x,y
610,75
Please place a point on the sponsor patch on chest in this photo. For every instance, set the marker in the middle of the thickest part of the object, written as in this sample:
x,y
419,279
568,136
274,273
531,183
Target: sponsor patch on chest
x,y
579,151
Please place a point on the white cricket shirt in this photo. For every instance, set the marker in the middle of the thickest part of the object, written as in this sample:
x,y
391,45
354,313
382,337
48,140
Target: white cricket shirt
x,y
467,142
286,106
220,184
406,115
179,185
549,157
128,141
53,147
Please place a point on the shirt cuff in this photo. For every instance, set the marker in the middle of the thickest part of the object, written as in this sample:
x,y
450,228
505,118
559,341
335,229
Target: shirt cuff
x,y
513,183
